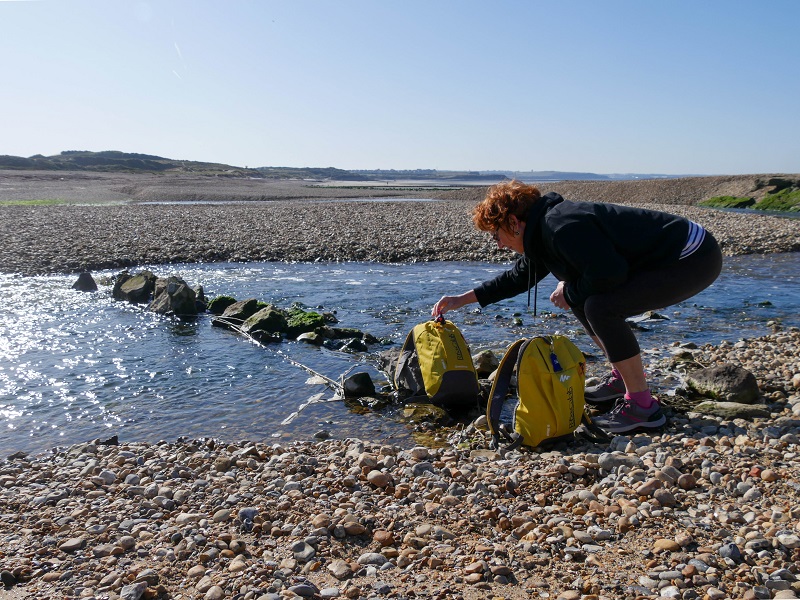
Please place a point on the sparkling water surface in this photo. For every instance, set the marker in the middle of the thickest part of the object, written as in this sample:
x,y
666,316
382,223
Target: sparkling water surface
x,y
76,366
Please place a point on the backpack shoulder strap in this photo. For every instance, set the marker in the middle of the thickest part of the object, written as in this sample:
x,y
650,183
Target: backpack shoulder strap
x,y
497,396
590,431
408,347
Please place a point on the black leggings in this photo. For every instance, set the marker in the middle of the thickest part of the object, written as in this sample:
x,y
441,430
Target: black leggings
x,y
603,315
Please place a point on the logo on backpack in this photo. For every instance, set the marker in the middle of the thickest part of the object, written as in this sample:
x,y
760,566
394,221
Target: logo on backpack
x,y
456,345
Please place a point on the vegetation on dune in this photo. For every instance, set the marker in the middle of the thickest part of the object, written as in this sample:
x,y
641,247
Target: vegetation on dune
x,y
728,202
786,200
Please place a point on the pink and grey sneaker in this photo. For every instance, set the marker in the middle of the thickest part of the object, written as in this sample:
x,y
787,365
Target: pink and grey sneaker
x,y
627,415
608,390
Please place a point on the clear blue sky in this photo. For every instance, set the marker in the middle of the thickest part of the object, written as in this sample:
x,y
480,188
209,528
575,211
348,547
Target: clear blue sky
x,y
677,87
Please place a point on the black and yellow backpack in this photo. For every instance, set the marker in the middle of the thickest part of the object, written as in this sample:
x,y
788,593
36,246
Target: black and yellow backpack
x,y
435,363
549,403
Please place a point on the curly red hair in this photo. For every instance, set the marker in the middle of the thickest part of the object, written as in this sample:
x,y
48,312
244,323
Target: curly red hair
x,y
503,200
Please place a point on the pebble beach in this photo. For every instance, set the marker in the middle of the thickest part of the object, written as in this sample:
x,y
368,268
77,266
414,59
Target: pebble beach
x,y
705,508
113,222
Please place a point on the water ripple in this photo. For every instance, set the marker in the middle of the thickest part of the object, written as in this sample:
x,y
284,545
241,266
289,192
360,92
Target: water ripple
x,y
74,366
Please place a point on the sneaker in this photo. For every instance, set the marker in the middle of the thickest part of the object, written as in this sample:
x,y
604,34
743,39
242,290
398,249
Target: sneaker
x,y
608,390
627,416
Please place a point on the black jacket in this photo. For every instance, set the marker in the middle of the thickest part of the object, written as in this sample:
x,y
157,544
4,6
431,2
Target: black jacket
x,y
591,246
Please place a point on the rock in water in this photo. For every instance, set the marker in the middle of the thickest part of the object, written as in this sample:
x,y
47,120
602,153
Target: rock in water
x,y
134,288
85,283
485,363
173,296
358,384
268,319
300,321
218,304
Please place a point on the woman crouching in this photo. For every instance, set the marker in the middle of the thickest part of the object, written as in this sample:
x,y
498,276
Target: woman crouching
x,y
612,262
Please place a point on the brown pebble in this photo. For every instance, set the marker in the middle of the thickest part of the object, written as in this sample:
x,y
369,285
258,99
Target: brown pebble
x,y
666,544
770,475
624,524
383,537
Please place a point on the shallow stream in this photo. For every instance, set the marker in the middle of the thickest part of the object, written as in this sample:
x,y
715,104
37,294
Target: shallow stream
x,y
77,366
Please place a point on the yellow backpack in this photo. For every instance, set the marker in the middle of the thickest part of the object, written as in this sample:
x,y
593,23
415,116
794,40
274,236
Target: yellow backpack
x,y
435,363
551,375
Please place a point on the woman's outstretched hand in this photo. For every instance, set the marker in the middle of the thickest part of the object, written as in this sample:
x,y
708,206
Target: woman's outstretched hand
x,y
443,305
447,303
557,297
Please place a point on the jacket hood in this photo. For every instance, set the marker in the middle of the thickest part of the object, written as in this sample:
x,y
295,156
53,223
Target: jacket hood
x,y
533,223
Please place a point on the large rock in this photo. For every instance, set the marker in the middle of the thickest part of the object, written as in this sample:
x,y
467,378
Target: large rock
x,y
218,304
134,288
727,383
85,283
311,337
173,296
300,321
485,363
237,313
200,298
342,333
269,319
352,345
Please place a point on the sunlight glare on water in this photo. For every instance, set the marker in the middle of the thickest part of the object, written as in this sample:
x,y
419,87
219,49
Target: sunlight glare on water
x,y
76,366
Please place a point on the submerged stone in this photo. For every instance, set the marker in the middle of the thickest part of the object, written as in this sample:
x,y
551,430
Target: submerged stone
x,y
420,412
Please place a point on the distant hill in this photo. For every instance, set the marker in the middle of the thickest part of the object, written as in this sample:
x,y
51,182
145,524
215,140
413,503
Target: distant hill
x,y
128,162
308,173
114,161
477,177
548,175
423,175
579,176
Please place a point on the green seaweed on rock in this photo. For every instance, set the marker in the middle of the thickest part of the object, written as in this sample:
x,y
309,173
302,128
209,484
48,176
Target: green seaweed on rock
x,y
300,321
785,200
728,202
